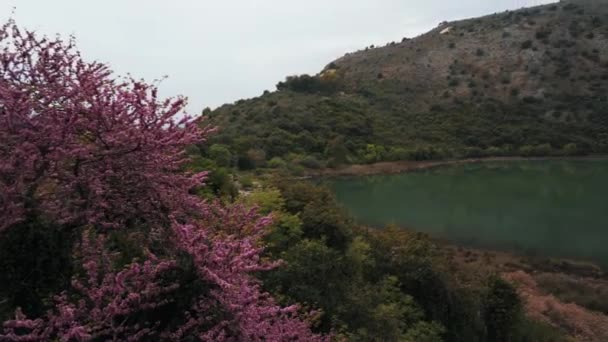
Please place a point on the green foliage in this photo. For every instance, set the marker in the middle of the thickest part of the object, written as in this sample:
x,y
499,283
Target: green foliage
x,y
313,274
246,182
327,269
359,253
536,151
427,153
256,157
415,260
379,285
221,155
349,115
494,151
532,331
381,312
336,151
266,201
571,149
219,182
311,162
367,284
314,132
502,310
327,223
473,152
309,84
372,153
285,233
277,163
425,332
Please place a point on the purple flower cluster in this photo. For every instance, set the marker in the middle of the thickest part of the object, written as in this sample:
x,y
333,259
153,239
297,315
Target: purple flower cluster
x,y
95,153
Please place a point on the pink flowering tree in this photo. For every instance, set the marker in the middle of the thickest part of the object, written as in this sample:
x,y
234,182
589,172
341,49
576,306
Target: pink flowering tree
x,y
104,158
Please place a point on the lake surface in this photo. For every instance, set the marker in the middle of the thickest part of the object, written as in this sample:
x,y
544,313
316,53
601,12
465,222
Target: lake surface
x,y
548,208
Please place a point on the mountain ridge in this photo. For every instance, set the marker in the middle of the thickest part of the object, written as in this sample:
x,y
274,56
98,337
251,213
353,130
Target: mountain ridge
x,y
525,82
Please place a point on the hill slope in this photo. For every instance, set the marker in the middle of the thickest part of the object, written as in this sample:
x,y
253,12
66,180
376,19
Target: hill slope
x,y
526,82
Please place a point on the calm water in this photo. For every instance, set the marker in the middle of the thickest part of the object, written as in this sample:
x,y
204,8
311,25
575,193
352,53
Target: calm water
x,y
549,208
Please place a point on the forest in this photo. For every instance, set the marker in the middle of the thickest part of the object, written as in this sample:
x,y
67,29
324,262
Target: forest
x,y
529,82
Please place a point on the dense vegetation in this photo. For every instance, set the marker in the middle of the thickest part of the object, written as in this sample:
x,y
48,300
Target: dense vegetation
x,y
387,285
107,232
531,82
102,235
372,284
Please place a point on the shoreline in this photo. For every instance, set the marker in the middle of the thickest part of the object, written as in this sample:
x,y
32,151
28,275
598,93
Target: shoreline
x,y
509,258
396,167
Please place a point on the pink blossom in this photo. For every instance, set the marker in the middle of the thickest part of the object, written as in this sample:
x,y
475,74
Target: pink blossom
x,y
96,153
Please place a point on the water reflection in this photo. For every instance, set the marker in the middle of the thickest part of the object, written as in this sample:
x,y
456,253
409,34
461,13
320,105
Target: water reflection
x,y
554,208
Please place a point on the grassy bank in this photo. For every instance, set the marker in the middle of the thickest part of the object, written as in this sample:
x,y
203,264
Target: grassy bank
x,y
409,165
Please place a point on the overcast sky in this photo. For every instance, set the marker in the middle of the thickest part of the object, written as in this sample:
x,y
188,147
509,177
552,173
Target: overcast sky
x,y
219,51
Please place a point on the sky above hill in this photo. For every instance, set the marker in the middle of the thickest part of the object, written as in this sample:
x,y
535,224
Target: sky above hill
x,y
219,51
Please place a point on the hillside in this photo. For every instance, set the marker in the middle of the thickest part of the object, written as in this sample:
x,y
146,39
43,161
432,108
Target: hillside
x,y
526,82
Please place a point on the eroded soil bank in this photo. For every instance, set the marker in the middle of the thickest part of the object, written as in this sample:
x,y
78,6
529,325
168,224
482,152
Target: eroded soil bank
x,y
568,295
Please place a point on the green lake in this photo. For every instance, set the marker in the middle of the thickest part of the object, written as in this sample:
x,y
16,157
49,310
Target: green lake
x,y
547,208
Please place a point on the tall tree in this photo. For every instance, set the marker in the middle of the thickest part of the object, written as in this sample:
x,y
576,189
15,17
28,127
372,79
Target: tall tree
x,y
103,157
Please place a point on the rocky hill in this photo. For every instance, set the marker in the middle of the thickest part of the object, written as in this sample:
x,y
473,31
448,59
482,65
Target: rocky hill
x,y
527,82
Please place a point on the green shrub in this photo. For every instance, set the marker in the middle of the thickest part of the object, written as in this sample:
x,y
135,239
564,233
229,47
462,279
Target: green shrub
x,y
296,169
502,310
541,150
221,155
372,153
246,182
311,162
266,200
397,153
313,273
308,84
277,163
571,149
533,331
257,157
220,183
473,152
494,151
425,332
425,153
